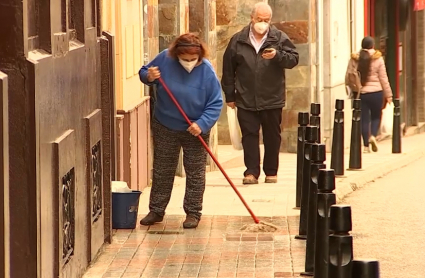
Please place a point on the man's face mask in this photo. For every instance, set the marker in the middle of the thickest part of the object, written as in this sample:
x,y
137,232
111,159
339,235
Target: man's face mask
x,y
261,27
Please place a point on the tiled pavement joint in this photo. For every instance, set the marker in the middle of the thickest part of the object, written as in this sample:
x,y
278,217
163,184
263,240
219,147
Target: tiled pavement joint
x,y
290,238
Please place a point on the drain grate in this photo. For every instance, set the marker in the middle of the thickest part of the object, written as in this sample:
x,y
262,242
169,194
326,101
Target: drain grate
x,y
169,232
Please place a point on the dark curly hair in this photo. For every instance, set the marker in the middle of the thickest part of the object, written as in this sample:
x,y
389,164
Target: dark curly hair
x,y
188,43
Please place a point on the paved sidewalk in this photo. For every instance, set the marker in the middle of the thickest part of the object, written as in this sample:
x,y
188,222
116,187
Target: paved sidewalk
x,y
217,248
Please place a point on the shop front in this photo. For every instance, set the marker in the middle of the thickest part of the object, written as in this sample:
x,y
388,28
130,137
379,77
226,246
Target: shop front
x,y
394,25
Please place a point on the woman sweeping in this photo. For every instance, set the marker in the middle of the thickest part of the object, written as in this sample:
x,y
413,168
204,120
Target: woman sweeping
x,y
374,87
191,77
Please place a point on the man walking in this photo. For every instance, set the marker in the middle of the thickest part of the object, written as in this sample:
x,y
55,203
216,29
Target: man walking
x,y
253,80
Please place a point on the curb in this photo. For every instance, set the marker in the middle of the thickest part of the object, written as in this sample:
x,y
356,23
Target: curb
x,y
359,180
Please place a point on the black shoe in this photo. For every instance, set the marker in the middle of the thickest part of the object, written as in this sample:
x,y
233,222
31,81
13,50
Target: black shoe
x,y
191,222
151,219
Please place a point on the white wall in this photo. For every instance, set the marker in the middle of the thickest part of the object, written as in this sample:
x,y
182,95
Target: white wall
x,y
358,34
124,19
338,41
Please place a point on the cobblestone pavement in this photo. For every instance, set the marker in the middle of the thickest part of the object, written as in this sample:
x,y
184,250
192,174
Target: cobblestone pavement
x,y
218,248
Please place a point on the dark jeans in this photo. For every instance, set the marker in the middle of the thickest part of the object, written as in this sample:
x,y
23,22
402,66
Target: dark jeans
x,y
250,123
371,115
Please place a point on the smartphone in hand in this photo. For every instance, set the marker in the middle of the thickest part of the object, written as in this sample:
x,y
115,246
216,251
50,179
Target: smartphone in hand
x,y
268,50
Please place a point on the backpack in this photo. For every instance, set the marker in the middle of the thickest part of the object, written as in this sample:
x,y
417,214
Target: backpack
x,y
354,82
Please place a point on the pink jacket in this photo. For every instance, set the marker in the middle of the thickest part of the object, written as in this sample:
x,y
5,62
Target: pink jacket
x,y
378,78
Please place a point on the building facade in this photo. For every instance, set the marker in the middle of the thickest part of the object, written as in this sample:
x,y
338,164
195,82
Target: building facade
x,y
340,28
57,105
76,117
399,31
298,20
325,33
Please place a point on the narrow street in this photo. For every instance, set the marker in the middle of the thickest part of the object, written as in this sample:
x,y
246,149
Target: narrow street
x,y
388,222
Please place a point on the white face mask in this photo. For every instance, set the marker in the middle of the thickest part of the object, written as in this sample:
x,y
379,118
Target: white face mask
x,y
188,65
261,27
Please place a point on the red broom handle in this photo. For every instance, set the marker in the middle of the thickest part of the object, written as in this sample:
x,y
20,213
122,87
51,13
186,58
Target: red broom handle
x,y
256,220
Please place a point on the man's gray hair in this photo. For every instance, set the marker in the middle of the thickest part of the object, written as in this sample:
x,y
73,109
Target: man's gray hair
x,y
261,5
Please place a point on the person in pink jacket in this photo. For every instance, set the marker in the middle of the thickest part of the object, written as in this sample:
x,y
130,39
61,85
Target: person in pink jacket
x,y
374,87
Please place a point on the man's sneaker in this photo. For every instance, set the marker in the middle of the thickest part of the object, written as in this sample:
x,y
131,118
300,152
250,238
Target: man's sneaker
x,y
151,219
373,143
271,179
250,179
191,222
366,150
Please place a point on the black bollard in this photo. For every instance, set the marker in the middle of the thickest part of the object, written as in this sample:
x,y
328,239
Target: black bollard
x,y
396,128
318,157
325,199
337,158
340,242
356,138
310,139
303,121
315,118
365,269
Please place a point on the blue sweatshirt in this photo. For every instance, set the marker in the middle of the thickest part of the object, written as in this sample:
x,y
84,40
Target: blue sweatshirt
x,y
198,93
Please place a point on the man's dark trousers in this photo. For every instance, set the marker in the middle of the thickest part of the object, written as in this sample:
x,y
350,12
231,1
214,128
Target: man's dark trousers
x,y
250,123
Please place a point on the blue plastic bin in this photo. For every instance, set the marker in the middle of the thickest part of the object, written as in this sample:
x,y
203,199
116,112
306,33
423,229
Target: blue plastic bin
x,y
124,209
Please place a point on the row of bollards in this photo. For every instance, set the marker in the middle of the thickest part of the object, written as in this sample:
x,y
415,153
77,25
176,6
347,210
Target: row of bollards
x,y
330,253
309,132
324,225
337,158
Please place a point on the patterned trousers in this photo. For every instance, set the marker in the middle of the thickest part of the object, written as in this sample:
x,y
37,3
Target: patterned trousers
x,y
167,144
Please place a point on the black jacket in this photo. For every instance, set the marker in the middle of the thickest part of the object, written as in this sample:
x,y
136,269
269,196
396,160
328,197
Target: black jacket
x,y
249,80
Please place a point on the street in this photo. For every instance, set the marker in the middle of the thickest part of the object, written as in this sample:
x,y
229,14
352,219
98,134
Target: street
x,y
388,222
218,248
